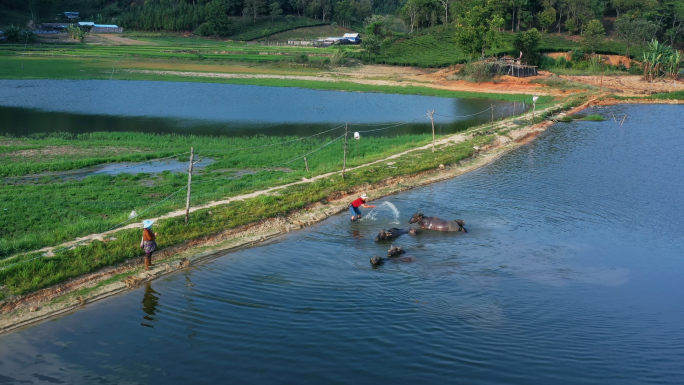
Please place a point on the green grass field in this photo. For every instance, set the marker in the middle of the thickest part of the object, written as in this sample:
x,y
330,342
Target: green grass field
x,y
47,211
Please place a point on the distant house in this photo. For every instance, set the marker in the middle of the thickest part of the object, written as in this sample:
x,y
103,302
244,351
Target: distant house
x,y
51,27
71,15
106,28
352,37
348,38
100,28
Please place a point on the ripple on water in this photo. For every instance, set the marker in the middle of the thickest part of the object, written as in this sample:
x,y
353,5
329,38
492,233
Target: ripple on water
x,y
566,275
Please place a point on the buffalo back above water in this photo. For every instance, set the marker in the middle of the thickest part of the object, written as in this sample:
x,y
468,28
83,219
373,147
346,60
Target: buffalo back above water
x,y
434,223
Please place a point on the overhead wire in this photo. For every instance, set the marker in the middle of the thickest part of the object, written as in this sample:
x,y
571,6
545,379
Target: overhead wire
x,y
270,145
395,125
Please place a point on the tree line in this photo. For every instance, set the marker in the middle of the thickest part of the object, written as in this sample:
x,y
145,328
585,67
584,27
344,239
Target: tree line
x,y
634,21
648,19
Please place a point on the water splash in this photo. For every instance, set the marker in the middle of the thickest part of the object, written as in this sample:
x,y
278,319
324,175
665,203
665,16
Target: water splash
x,y
384,206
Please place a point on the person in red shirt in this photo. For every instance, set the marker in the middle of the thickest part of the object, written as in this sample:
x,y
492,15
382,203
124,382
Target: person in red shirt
x,y
359,202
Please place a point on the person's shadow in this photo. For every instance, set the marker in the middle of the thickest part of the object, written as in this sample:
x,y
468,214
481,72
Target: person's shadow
x,y
149,302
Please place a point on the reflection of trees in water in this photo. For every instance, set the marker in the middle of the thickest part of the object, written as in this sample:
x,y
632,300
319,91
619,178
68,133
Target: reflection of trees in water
x,y
149,301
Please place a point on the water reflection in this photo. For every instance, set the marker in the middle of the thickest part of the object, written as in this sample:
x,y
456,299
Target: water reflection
x,y
150,301
224,109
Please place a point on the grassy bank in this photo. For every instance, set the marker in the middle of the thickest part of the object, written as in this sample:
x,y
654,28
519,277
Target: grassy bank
x,y
41,272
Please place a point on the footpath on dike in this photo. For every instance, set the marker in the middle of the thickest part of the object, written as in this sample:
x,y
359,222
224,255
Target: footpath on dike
x,y
19,311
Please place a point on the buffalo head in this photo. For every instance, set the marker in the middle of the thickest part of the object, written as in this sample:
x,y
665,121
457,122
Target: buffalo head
x,y
383,235
416,217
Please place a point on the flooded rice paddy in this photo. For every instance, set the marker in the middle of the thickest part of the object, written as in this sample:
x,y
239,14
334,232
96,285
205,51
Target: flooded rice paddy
x,y
80,106
570,274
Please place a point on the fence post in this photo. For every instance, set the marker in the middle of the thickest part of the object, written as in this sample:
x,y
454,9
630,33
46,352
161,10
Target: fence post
x,y
344,159
187,201
432,120
492,125
306,164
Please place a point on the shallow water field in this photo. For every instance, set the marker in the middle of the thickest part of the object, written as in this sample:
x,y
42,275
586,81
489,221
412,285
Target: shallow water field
x,y
570,274
80,106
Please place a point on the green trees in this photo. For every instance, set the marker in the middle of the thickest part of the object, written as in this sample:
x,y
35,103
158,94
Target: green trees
x,y
218,23
420,13
477,30
155,16
377,29
527,42
675,26
275,10
254,8
547,18
633,31
592,36
14,34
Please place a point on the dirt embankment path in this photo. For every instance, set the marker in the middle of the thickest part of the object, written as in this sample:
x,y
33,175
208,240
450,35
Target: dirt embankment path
x,y
382,75
385,76
19,311
628,85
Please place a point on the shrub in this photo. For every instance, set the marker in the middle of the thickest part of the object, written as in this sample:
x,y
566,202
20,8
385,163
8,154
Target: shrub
x,y
302,59
479,72
577,55
528,43
563,63
547,63
581,65
15,34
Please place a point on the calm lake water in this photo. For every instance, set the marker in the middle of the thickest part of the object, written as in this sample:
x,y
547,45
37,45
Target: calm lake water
x,y
79,106
571,273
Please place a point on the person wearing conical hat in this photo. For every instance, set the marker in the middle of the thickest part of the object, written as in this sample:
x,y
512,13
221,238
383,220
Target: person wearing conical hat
x,y
148,242
359,202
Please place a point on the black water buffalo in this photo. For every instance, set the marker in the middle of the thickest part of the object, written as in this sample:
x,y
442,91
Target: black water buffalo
x,y
393,233
377,261
394,251
434,223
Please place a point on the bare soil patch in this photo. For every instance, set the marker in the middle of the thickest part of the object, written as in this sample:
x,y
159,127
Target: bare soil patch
x,y
628,84
440,79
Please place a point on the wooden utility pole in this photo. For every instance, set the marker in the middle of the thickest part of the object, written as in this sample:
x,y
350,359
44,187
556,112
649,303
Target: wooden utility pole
x,y
187,201
306,164
492,126
344,159
432,120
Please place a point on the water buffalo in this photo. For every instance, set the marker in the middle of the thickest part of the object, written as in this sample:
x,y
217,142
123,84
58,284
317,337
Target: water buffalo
x,y
393,233
434,223
394,251
377,261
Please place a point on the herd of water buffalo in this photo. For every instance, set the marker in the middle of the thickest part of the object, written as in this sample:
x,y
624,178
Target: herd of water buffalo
x,y
431,223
